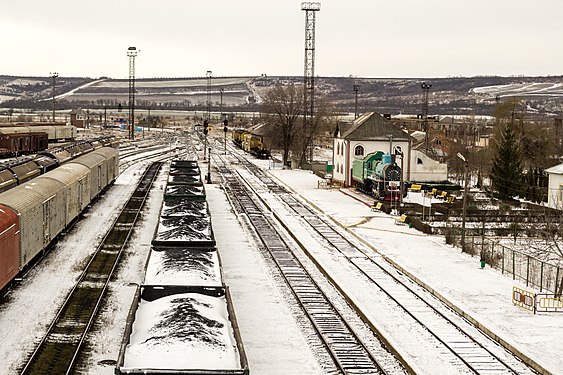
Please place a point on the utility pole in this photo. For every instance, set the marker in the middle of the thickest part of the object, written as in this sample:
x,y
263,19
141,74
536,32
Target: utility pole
x,y
309,75
466,175
425,88
221,90
356,89
132,53
54,76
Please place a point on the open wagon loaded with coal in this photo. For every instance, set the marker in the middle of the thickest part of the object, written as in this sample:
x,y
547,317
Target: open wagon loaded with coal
x,y
184,222
184,172
183,266
182,330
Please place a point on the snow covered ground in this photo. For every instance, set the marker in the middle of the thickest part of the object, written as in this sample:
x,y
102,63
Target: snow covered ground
x,y
272,338
484,294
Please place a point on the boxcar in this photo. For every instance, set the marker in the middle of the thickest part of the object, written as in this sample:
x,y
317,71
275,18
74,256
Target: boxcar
x,y
76,179
40,204
9,245
103,166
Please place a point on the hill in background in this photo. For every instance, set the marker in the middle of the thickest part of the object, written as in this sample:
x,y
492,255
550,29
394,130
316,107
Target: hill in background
x,y
447,96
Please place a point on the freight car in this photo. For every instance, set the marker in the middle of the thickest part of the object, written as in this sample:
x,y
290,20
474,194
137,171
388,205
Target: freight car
x,y
379,175
16,172
42,208
183,295
55,133
14,144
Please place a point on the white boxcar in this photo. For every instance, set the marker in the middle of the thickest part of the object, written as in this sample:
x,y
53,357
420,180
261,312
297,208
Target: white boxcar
x,y
40,204
112,156
50,130
96,163
76,178
103,166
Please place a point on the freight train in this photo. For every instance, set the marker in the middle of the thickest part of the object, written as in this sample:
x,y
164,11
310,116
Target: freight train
x,y
36,212
16,172
379,175
183,294
250,142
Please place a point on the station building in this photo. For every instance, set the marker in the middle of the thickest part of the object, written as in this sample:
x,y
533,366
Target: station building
x,y
372,132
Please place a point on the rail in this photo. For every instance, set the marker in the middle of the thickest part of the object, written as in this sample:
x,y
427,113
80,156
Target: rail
x,y
59,349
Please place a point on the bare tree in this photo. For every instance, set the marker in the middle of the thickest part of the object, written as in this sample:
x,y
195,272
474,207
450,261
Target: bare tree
x,y
320,124
282,109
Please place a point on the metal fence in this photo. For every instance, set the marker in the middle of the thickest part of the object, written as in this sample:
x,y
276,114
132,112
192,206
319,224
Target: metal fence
x,y
523,267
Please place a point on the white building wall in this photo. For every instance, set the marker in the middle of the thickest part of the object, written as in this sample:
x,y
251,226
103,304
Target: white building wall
x,y
555,191
342,163
339,152
424,168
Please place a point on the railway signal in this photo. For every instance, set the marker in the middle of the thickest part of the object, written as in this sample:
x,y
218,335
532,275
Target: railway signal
x,y
205,131
225,130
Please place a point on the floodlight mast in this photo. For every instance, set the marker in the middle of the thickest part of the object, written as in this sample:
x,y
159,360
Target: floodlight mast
x,y
54,75
309,77
132,53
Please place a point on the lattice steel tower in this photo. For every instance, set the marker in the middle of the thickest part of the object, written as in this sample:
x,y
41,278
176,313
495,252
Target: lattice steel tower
x,y
309,76
425,89
132,52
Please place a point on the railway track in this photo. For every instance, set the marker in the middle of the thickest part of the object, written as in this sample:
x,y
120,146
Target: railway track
x,y
349,355
58,351
467,348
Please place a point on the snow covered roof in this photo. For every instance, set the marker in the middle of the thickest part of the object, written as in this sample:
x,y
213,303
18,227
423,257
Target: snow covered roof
x,y
371,126
558,169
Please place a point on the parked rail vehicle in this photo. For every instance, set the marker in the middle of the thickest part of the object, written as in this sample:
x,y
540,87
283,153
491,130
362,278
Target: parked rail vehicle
x,y
250,142
16,172
35,213
379,175
182,320
55,133
14,144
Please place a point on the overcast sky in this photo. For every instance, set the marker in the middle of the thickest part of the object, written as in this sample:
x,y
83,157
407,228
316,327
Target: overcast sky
x,y
364,38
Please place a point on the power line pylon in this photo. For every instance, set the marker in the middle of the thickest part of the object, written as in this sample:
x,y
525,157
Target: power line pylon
x,y
309,76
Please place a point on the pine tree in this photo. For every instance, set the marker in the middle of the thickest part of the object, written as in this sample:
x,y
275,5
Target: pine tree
x,y
506,172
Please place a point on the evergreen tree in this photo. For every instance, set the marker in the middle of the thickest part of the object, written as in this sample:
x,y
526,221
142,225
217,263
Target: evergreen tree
x,y
506,172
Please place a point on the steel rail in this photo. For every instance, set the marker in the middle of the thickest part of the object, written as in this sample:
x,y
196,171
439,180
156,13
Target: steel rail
x,y
59,348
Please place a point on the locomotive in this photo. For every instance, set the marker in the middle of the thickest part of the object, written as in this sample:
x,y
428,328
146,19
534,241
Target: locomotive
x,y
379,175
251,143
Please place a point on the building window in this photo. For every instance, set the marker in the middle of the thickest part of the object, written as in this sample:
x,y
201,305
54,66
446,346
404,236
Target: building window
x,y
559,203
359,151
419,161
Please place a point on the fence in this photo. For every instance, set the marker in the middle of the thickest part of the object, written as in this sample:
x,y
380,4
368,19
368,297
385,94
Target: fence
x,y
523,267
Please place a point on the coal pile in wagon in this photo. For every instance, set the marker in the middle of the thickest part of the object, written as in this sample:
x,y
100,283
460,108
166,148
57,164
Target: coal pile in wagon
x,y
187,230
182,206
184,179
183,266
195,192
182,331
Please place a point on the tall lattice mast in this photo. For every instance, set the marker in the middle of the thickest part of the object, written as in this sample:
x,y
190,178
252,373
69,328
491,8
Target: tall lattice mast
x,y
309,76
132,52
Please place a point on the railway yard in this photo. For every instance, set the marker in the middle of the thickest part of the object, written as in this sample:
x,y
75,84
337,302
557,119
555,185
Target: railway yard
x,y
311,281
